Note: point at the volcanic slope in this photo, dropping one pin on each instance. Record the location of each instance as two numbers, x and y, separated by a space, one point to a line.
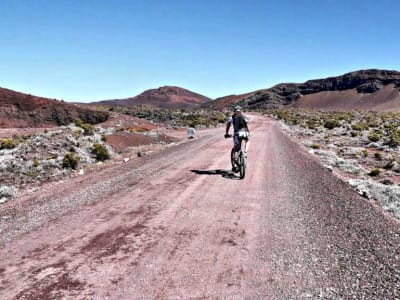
372 89
18 110
163 97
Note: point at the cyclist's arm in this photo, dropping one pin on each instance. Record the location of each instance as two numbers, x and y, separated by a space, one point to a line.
228 125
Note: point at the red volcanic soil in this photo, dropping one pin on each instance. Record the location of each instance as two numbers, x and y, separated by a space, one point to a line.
122 141
387 98
180 225
164 97
18 110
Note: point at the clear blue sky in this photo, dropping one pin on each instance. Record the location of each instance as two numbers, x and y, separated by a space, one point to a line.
86 50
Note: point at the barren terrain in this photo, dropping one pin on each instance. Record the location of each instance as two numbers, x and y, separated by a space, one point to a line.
179 224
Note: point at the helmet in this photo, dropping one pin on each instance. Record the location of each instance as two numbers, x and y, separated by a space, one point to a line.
237 108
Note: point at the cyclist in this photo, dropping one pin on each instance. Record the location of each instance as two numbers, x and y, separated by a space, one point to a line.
240 129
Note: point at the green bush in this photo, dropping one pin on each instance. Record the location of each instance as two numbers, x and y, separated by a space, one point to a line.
378 155
8 144
394 138
36 163
71 160
374 172
330 124
373 137
78 122
101 152
358 127
87 129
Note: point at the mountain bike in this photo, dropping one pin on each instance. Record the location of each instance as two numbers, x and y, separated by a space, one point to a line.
238 158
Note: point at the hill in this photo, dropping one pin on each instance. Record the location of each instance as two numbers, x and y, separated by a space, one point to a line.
163 97
20 110
371 89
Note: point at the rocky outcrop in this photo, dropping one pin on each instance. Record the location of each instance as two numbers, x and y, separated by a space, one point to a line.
20 110
163 97
362 82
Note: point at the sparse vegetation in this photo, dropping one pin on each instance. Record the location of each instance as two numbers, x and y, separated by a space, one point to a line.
330 124
8 144
88 129
36 162
101 152
378 155
176 117
71 160
374 137
374 172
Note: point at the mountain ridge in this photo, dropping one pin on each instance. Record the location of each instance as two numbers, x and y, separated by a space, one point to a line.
362 88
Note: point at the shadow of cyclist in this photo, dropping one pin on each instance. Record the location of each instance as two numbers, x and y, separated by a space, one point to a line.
223 173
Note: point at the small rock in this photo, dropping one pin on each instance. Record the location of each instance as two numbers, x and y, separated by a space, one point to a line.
81 172
387 182
126 159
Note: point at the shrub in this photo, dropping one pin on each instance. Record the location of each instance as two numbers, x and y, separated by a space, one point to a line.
330 124
35 162
378 155
394 138
71 160
358 127
354 133
312 124
374 172
315 146
389 165
373 137
365 152
8 144
87 129
101 152
78 122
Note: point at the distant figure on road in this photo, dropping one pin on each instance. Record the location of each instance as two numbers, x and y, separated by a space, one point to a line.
191 132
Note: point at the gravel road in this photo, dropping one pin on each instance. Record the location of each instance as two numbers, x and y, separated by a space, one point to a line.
179 225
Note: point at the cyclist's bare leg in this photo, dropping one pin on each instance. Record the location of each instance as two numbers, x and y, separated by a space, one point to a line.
246 145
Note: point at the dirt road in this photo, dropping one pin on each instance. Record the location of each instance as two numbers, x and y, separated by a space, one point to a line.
180 225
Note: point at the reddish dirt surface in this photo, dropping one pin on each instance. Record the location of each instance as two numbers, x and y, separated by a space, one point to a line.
179 225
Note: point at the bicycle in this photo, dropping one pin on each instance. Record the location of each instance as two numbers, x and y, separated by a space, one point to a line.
238 159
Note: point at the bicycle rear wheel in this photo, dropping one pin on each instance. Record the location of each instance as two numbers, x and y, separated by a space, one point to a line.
242 165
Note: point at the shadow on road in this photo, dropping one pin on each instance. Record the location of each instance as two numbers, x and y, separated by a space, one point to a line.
223 173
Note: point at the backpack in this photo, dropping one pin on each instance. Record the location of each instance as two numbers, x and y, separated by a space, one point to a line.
238 122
